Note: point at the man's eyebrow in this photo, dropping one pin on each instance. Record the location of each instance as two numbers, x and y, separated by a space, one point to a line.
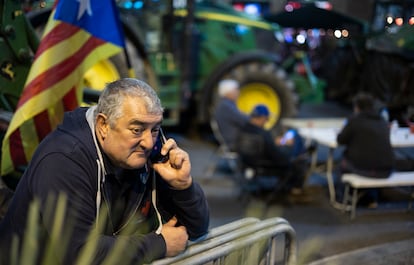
144 124
137 122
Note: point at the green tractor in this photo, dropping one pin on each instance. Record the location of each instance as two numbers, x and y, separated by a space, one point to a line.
184 50
18 42
380 62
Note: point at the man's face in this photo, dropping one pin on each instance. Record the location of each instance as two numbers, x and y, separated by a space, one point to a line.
261 121
129 143
235 93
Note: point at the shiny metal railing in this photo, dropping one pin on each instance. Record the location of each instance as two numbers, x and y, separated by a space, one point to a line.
246 241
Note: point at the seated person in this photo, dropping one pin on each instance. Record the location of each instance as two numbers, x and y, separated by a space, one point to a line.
368 149
228 117
260 150
290 139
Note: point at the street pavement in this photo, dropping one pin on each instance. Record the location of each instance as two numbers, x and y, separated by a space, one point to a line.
325 235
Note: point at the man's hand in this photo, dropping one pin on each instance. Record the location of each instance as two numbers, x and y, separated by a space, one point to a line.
281 141
176 170
175 237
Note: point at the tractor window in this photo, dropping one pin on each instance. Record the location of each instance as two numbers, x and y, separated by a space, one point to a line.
147 14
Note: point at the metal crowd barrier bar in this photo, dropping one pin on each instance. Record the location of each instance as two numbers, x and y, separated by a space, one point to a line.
246 241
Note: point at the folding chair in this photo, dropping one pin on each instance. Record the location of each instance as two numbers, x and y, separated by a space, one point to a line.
260 176
222 152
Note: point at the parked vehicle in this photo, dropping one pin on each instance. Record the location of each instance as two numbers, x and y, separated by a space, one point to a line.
184 50
380 62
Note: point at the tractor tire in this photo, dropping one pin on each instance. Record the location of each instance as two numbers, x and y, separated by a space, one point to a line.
261 83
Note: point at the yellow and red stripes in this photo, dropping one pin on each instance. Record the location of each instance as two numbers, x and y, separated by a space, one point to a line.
53 86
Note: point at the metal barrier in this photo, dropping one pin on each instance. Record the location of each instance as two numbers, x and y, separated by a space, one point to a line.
246 241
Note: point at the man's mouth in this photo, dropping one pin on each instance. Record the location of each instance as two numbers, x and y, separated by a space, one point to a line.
143 153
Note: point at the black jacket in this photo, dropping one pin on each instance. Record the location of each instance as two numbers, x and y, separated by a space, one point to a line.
67 162
257 148
230 121
366 138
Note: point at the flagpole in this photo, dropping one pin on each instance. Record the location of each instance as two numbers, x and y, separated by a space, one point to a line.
131 71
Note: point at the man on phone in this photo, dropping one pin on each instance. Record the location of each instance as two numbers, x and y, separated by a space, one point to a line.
98 159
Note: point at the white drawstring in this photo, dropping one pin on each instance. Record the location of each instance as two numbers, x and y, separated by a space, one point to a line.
154 203
98 194
101 166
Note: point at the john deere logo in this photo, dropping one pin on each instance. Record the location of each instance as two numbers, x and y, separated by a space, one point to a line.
7 70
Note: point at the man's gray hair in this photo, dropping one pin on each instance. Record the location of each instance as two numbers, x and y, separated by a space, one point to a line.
227 85
115 92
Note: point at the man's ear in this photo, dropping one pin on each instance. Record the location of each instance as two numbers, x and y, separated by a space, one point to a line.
102 126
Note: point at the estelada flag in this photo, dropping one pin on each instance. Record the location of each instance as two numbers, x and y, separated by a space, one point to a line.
79 34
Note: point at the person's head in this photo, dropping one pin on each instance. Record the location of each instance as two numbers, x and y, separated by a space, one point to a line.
259 115
229 88
363 102
128 117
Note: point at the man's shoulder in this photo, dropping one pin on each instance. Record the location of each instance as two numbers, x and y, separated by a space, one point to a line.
252 130
77 145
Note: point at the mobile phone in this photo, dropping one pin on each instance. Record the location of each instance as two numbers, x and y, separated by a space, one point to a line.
156 156
290 134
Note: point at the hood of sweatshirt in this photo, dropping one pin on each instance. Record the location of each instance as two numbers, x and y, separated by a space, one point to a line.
78 129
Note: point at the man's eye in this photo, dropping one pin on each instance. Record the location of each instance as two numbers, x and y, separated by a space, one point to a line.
155 131
137 131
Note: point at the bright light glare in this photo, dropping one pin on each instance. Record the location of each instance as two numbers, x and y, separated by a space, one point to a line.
337 33
238 7
399 21
128 4
289 8
323 5
252 9
300 39
138 4
292 5
288 38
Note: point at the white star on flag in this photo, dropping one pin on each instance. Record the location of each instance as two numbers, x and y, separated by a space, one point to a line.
84 6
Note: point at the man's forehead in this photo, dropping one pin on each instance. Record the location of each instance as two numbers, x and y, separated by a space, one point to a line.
134 111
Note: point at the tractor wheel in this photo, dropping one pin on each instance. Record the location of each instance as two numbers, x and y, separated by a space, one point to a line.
262 83
116 67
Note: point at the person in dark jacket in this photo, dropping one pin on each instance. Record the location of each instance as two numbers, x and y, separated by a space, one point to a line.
227 115
98 158
277 156
366 137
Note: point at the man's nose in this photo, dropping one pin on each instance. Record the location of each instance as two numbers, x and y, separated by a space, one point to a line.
147 139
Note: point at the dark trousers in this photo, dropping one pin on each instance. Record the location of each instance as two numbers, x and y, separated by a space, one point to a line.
346 166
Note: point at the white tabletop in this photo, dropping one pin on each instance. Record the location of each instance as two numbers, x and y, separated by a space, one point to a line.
313 122
327 136
402 138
